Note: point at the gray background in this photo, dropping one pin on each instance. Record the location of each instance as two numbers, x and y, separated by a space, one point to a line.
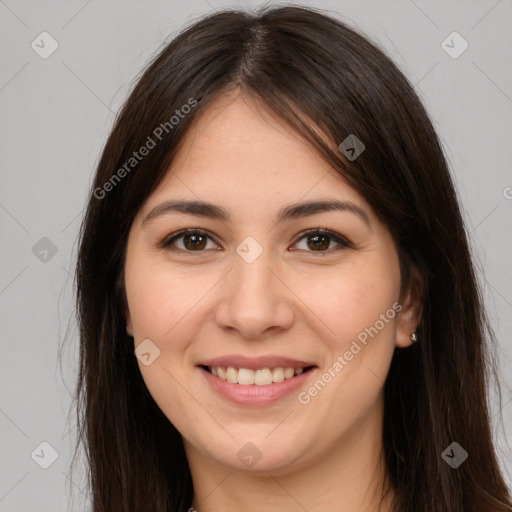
56 114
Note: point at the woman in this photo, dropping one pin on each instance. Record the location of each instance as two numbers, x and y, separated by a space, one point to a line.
277 305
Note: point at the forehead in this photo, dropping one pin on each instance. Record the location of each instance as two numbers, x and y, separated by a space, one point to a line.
237 146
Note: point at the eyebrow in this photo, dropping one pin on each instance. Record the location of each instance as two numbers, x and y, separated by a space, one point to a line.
291 212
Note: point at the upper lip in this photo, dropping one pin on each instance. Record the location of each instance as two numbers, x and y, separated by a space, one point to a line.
256 363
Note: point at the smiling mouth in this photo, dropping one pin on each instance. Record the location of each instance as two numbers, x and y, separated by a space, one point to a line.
260 377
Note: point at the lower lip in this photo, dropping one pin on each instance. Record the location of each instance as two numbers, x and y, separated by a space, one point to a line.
252 394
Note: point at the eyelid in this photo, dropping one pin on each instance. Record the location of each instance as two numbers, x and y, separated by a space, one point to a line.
338 238
167 241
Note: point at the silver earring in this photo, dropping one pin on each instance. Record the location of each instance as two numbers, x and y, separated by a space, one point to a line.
413 337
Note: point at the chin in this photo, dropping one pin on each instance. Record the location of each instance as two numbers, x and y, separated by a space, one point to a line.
259 453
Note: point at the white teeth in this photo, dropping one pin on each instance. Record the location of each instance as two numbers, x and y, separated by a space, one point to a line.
261 377
232 375
246 376
289 373
278 375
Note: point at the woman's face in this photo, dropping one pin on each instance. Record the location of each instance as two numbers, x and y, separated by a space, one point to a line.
255 286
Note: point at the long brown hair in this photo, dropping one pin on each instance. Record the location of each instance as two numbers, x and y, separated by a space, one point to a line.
327 81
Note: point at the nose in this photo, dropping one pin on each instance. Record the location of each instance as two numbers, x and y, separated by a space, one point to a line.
255 301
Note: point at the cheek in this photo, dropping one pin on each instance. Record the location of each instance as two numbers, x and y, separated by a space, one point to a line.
347 300
160 300
161 308
358 311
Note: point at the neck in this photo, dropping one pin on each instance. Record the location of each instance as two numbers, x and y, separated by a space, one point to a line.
350 476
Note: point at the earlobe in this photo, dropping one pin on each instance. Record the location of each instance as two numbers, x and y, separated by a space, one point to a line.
129 328
408 322
410 316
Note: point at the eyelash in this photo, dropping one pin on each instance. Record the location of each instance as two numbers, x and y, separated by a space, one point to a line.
344 243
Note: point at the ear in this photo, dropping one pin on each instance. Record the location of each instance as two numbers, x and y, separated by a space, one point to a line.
412 310
122 294
129 326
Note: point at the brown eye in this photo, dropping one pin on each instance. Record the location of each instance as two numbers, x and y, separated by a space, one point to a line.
192 240
320 240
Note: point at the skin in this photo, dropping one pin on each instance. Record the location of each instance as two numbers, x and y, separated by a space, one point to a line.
291 301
